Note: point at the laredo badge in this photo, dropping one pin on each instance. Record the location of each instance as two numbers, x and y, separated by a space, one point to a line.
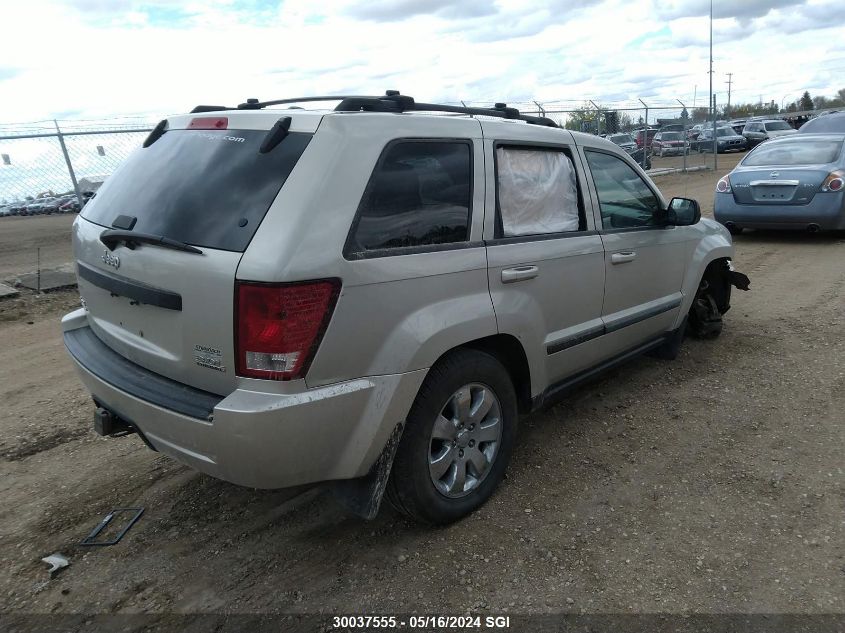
209 357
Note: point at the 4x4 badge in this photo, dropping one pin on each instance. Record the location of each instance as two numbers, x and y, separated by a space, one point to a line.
110 260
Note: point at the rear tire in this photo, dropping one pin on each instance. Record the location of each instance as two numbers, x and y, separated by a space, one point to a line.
452 457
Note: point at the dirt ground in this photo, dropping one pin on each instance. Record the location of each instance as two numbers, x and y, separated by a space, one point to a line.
21 237
709 484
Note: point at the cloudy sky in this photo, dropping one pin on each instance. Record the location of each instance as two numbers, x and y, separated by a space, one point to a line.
77 59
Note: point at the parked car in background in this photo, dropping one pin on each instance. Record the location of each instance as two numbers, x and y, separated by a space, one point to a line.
4 211
795 182
669 144
673 127
826 124
242 342
625 141
53 206
71 206
726 141
644 137
738 125
755 132
694 131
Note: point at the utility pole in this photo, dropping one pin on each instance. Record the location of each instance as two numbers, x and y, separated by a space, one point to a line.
710 105
728 107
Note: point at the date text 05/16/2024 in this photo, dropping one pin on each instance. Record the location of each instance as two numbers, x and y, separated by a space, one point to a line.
373 622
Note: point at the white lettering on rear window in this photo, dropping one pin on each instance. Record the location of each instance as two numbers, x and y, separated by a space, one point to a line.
215 137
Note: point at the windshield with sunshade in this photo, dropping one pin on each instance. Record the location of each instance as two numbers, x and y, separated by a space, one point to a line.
798 152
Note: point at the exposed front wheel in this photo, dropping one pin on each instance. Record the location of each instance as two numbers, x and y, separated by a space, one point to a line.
711 301
457 441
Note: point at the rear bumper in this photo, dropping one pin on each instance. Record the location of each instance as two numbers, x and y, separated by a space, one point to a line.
251 438
826 210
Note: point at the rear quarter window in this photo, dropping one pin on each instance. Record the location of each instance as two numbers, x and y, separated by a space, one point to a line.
418 195
208 188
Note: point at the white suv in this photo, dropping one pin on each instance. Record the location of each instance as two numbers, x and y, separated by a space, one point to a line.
371 295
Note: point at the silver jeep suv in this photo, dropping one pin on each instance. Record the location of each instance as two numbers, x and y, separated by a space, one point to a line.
372 295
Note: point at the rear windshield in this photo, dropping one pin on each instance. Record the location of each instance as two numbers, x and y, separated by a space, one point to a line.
622 138
797 152
834 123
208 188
778 125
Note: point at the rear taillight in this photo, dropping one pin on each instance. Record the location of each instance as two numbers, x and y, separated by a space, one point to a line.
279 326
724 185
834 182
209 123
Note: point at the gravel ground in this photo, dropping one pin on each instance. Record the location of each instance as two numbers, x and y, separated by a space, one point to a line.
709 484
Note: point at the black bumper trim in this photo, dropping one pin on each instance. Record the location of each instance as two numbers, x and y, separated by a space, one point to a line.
109 366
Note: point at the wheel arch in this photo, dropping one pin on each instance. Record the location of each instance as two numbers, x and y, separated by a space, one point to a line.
511 354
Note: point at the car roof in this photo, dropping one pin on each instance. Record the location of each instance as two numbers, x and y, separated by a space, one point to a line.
793 138
837 119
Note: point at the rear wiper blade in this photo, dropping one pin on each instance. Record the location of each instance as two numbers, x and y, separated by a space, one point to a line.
113 238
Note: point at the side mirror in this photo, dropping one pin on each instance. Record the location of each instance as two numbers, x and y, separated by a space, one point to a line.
683 212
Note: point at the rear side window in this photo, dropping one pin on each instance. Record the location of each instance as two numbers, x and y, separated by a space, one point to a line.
778 125
208 188
418 195
537 192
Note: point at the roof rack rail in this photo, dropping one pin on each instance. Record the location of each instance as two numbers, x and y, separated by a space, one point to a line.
392 101
255 104
395 102
209 108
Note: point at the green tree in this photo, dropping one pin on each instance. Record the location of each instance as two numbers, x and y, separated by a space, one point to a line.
700 115
806 102
684 114
582 120
820 102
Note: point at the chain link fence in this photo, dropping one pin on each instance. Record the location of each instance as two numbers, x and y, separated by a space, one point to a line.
44 163
67 160
636 122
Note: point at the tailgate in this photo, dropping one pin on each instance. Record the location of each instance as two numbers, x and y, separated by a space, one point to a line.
168 305
168 311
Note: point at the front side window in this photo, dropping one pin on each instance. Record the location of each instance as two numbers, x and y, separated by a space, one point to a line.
626 201
419 194
537 192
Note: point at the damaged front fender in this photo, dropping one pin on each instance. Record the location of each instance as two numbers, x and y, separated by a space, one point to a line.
736 278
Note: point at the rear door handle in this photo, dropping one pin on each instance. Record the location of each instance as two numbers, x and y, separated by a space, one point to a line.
519 273
623 257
